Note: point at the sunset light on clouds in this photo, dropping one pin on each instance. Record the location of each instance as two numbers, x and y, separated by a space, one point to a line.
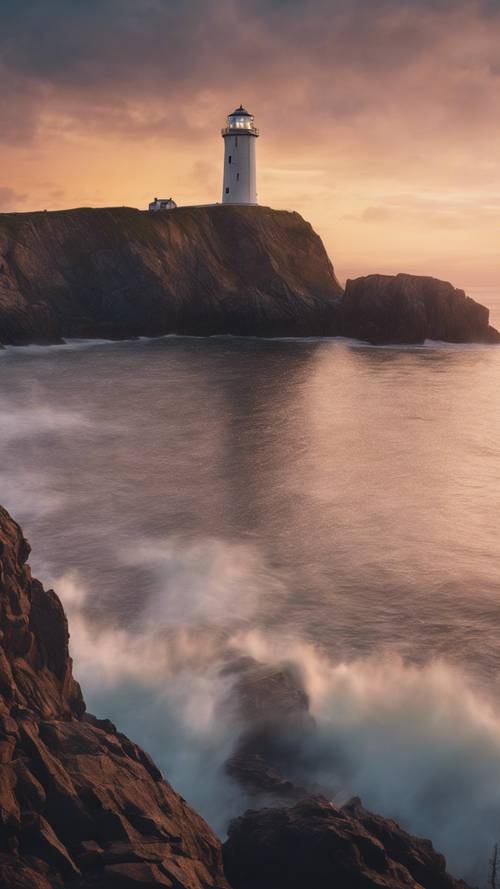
250 436
380 119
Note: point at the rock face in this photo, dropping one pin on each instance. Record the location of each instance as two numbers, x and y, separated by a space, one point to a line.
120 272
80 804
313 844
410 309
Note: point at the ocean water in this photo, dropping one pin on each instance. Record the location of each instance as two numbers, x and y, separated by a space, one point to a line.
319 502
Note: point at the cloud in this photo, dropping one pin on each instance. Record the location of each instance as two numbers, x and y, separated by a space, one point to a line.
167 64
10 199
374 97
447 212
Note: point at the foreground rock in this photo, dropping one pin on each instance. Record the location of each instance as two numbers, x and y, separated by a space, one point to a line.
411 309
318 846
304 840
119 272
80 804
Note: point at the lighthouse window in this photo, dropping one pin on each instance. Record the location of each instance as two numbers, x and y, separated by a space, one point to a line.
236 141
229 159
237 177
227 190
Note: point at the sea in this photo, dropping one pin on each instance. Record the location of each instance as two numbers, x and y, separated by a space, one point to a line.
316 502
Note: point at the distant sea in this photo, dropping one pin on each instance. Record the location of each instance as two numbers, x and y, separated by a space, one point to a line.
318 501
488 296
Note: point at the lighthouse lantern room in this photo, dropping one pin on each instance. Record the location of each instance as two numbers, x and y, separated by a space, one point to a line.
239 181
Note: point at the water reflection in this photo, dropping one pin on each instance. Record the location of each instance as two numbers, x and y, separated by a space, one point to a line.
366 479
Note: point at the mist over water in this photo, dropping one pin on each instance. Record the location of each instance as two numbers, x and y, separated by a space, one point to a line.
320 502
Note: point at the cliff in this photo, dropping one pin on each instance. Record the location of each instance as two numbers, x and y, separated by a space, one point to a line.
79 803
121 272
83 806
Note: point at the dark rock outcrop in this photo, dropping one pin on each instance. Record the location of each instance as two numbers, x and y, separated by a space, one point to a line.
272 707
120 272
411 309
80 804
313 844
309 841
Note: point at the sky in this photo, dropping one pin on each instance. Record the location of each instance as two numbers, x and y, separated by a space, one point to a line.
379 119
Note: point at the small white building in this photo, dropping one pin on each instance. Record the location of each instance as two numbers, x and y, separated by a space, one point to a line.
162 204
239 181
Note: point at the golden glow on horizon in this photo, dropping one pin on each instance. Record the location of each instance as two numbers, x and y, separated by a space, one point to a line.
366 222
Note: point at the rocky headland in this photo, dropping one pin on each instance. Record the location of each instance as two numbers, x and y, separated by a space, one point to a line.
83 806
120 272
242 270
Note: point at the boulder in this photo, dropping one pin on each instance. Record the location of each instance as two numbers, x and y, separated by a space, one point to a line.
410 309
316 845
272 707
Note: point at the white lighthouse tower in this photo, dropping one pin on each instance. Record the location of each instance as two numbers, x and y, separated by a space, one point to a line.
239 182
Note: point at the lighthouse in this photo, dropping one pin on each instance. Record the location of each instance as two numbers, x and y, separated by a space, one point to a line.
239 181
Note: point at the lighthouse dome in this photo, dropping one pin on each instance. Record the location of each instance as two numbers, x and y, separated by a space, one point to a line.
241 119
241 112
